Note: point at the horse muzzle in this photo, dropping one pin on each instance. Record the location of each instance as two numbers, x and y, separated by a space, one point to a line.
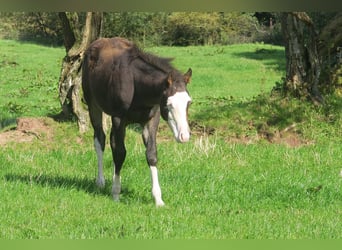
183 136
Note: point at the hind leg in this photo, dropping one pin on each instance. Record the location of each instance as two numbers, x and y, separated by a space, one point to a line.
117 138
99 142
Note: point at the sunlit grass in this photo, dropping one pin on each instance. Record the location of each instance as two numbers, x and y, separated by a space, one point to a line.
240 71
213 187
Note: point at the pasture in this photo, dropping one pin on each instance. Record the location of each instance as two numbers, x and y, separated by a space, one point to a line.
257 166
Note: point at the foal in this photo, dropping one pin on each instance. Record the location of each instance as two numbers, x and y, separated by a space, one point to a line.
133 87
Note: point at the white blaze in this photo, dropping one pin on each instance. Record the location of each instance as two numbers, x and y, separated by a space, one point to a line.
177 117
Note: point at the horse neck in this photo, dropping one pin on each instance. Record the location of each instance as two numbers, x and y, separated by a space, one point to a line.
149 87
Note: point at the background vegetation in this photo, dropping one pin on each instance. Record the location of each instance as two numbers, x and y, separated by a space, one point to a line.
150 28
158 28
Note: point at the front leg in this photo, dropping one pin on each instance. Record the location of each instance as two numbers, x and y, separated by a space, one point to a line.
156 191
149 137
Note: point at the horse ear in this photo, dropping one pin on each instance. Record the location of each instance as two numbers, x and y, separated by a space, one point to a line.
187 76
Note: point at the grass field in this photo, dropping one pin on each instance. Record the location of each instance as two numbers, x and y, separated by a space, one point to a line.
270 168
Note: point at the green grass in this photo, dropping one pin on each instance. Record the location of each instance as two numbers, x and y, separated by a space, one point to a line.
29 79
219 68
213 187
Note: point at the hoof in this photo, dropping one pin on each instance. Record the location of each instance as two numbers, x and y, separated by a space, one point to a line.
116 197
100 182
160 203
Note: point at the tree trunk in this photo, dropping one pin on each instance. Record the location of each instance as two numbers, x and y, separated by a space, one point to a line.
302 62
330 50
70 90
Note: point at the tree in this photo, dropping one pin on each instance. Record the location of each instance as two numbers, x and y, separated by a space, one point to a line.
144 28
40 27
303 66
330 51
208 28
313 57
192 28
76 40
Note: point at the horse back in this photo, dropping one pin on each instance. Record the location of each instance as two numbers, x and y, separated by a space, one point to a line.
107 81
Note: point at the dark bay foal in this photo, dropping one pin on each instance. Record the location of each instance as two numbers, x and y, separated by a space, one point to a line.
133 87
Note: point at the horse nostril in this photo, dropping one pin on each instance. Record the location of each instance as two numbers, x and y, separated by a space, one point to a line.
184 137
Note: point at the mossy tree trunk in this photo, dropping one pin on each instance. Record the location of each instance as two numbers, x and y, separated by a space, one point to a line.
330 51
70 90
303 66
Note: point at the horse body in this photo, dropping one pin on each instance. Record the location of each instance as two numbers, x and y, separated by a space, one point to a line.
132 87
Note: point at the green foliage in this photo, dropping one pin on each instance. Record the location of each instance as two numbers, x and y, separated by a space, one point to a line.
193 28
40 27
146 28
156 28
186 28
207 28
239 27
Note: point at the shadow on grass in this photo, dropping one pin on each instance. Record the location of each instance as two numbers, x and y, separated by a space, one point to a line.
275 118
81 184
273 58
7 123
261 114
61 117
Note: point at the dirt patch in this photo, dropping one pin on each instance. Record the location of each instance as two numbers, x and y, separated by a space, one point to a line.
27 130
199 129
289 136
30 129
290 139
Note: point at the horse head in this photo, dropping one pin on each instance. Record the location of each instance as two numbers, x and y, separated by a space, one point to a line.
175 104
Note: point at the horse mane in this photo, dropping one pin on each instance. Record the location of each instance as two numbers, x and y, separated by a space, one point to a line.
161 63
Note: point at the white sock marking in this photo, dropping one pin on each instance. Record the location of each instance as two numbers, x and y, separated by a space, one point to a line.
116 189
100 181
156 191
